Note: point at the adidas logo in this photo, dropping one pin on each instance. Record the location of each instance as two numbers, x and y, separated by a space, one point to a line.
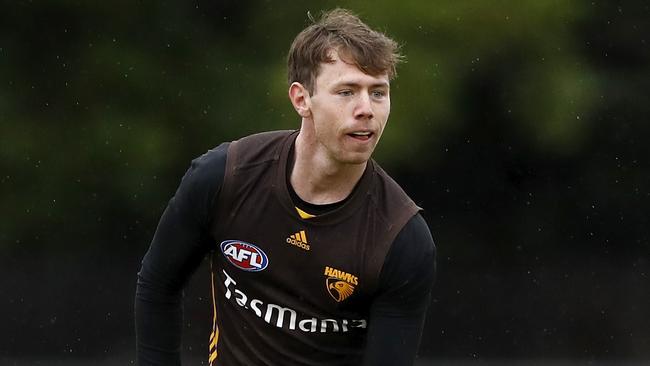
299 239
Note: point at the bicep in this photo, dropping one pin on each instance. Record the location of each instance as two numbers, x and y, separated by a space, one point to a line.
398 312
182 237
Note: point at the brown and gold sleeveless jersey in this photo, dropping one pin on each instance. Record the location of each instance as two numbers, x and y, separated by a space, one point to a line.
290 289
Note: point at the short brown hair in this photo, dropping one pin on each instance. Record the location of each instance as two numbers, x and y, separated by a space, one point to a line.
371 51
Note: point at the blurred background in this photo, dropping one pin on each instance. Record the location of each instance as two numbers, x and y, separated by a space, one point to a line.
521 127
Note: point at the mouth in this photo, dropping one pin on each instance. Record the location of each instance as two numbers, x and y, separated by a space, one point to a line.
361 135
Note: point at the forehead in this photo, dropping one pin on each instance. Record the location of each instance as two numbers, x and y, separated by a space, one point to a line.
341 71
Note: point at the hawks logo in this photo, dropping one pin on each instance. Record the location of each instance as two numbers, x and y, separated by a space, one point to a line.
340 285
244 255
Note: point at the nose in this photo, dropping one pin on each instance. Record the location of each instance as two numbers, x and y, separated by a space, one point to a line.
364 107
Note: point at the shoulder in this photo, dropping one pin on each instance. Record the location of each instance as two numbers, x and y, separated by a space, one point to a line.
412 255
205 174
390 191
264 137
414 242
393 205
208 167
409 271
256 148
201 182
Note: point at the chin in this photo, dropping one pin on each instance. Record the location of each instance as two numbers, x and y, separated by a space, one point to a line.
355 159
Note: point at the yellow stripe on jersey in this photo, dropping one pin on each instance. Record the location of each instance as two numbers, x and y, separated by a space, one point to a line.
304 215
214 336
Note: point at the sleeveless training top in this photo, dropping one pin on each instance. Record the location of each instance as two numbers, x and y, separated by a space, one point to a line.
289 289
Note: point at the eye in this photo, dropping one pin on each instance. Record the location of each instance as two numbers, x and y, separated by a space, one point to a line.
378 93
345 93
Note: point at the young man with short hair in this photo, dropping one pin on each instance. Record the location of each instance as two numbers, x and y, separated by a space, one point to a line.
318 256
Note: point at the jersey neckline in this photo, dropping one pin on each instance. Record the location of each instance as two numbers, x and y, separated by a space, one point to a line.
357 197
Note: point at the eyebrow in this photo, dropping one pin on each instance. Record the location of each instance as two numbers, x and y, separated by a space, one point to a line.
382 84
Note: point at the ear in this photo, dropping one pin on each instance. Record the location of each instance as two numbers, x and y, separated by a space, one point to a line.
300 99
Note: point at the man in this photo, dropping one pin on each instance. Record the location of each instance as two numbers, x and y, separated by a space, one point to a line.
318 256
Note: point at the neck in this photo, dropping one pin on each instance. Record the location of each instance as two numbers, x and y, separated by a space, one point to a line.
316 178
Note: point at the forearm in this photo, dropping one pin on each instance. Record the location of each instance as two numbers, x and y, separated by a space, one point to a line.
158 321
393 341
174 255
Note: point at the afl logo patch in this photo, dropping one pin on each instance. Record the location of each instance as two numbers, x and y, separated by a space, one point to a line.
244 255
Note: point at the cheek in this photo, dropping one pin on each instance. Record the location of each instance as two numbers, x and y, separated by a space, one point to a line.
384 117
328 121
324 128
386 109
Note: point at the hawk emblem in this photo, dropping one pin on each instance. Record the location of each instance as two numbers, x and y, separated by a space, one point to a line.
338 289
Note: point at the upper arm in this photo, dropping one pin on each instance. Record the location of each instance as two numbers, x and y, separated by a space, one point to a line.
397 314
182 237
